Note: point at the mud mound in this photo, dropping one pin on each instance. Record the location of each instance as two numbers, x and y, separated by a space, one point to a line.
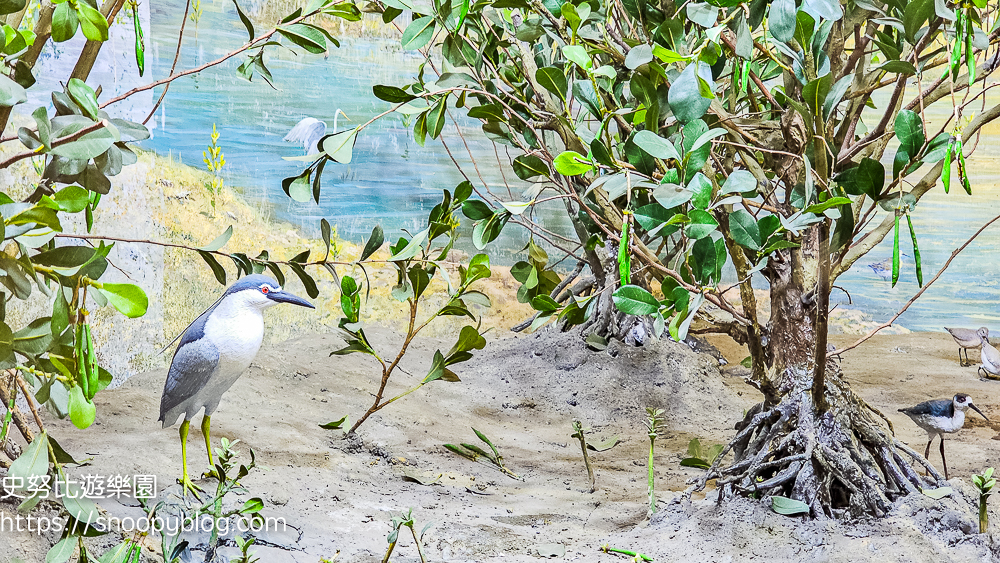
919 529
614 386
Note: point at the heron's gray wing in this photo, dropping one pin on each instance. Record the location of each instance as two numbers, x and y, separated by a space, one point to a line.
308 132
939 407
192 367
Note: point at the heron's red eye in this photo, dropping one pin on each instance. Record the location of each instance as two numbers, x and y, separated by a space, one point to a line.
264 289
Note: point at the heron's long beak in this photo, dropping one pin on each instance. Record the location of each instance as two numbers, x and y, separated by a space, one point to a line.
285 297
975 408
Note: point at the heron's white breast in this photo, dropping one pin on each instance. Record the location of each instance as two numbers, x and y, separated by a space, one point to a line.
939 424
236 330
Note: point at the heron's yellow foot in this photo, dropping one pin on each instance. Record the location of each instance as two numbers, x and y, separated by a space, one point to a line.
185 480
188 486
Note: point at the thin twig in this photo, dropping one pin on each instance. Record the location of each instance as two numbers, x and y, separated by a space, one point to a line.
245 47
173 67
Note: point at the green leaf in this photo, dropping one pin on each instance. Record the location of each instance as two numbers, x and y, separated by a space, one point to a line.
634 300
915 15
336 424
898 67
392 94
867 178
339 146
528 166
787 506
938 493
701 189
815 92
655 146
544 303
130 300
81 411
217 269
909 131
702 224
305 36
553 80
685 94
418 33
91 145
374 243
252 506
63 550
307 282
411 249
781 20
64 22
578 55
219 241
437 368
245 20
83 509
476 210
704 15
92 22
740 181
744 230
11 6
33 463
671 195
72 199
571 163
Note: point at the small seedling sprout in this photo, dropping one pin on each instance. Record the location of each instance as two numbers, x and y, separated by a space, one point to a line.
473 452
393 537
578 433
984 483
636 556
654 418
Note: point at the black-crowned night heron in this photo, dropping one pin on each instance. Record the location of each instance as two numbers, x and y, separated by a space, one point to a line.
310 130
940 417
214 352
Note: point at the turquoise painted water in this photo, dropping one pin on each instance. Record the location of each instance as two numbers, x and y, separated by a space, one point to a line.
393 181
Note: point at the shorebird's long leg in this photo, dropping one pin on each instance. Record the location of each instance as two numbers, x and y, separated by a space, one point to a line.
927 450
943 462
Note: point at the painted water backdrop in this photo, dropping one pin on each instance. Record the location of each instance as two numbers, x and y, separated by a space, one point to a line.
394 182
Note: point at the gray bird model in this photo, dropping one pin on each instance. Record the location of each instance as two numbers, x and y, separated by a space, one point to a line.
968 338
214 352
990 358
940 417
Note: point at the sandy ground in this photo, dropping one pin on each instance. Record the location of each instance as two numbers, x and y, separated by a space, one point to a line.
338 495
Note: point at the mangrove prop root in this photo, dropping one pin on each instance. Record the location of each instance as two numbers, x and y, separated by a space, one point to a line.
839 459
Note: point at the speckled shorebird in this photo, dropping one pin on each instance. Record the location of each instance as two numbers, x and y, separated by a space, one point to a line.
214 352
990 358
941 417
968 338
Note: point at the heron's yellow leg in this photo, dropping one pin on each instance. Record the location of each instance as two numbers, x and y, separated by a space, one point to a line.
186 484
206 429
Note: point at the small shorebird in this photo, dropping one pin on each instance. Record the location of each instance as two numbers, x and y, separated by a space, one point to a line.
968 338
990 358
940 417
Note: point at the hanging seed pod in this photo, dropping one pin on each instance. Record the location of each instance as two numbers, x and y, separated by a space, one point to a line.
956 51
946 172
81 364
93 376
963 169
970 58
624 260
